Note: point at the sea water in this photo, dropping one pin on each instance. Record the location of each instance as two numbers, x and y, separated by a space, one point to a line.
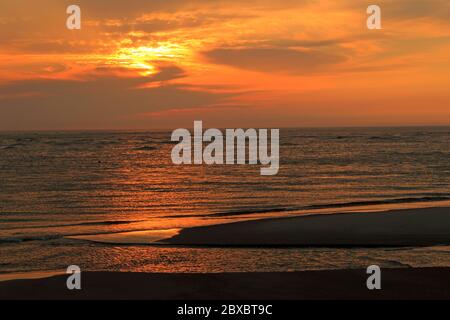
55 185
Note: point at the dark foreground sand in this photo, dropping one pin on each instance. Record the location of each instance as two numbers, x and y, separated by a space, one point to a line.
426 283
409 227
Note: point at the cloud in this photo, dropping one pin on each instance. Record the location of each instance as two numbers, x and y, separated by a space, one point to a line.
100 100
36 68
398 10
278 60
293 43
168 72
413 9
150 23
59 46
115 9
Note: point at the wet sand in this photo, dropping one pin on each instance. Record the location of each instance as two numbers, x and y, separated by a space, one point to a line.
409 227
407 283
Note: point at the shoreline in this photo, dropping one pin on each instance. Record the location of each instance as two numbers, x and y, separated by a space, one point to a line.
405 227
28 275
397 284
191 236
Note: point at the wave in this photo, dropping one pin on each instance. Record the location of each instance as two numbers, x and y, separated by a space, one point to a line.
11 146
166 142
231 213
146 148
384 201
75 235
322 206
31 238
95 223
388 138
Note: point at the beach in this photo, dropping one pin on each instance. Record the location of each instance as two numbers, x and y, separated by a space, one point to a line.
405 283
409 227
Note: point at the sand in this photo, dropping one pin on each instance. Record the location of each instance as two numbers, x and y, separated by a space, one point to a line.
409 227
426 283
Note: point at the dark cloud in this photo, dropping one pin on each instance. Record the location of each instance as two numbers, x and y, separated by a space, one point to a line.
398 10
414 9
101 100
116 9
168 72
36 68
177 22
275 59
292 43
60 46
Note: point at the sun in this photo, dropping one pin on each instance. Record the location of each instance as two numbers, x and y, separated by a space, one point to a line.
146 58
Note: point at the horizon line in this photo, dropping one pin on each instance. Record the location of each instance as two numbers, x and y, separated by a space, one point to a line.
241 127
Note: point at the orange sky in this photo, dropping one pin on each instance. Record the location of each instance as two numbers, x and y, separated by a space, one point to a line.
254 63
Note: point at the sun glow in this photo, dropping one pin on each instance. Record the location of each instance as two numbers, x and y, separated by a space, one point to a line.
146 58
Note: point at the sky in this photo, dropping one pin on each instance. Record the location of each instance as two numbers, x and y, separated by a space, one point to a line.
250 63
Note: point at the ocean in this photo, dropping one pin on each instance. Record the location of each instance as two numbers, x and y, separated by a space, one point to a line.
55 185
